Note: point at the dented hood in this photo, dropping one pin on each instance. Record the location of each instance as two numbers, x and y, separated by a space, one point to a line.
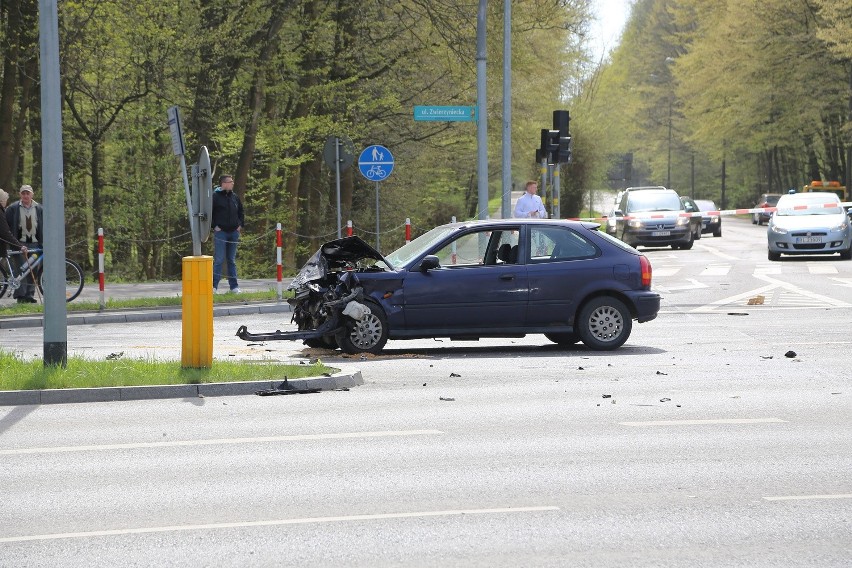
335 254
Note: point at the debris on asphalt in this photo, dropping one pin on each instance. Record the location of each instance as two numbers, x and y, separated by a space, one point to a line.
665 399
790 354
661 373
766 356
607 396
114 356
447 398
454 375
580 369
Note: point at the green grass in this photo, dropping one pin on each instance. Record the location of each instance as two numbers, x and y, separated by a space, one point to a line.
83 373
136 303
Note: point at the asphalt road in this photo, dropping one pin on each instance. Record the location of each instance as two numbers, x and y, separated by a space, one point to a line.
719 435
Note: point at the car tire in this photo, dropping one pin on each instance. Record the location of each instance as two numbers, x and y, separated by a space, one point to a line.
688 245
717 233
563 338
604 323
847 254
368 335
754 219
773 256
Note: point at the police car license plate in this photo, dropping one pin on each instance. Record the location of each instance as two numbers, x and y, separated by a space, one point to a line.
661 233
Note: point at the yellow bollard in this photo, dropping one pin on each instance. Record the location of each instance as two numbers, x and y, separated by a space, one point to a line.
197 312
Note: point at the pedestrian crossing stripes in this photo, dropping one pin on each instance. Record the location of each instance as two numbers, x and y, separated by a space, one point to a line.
721 269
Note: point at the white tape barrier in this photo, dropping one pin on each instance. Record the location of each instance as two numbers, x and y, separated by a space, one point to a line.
720 213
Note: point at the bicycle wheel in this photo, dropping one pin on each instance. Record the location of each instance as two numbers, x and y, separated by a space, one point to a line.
4 277
73 280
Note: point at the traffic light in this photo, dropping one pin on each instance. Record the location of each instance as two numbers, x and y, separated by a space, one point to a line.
564 153
549 145
561 123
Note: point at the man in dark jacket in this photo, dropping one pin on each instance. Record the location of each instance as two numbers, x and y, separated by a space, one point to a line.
227 222
7 239
26 219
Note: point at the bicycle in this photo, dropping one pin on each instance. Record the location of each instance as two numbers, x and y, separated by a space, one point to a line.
11 279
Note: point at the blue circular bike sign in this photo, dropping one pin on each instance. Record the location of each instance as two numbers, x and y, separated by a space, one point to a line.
375 163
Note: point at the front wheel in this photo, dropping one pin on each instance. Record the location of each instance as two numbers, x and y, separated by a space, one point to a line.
773 256
604 323
367 335
73 280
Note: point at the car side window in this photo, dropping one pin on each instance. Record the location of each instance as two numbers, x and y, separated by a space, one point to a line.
556 244
480 248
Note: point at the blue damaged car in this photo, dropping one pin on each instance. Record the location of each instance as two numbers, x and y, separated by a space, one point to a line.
469 280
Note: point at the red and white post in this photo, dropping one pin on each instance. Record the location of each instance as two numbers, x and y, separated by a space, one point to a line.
407 230
280 271
102 301
349 228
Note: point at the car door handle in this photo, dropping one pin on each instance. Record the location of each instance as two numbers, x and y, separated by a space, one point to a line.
507 277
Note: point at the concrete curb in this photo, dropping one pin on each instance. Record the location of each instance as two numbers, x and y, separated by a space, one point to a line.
343 379
155 314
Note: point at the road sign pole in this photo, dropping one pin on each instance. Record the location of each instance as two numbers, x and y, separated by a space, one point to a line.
337 182
377 217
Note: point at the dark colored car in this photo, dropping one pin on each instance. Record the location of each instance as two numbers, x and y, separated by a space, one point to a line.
711 219
653 217
766 200
501 278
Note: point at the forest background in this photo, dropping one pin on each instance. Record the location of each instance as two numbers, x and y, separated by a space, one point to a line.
721 99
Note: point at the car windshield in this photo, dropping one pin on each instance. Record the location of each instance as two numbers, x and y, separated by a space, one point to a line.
772 199
705 205
406 253
640 201
808 204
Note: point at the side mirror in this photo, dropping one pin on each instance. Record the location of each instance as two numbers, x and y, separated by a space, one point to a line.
429 262
618 213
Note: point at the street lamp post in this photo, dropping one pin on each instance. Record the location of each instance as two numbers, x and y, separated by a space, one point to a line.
669 160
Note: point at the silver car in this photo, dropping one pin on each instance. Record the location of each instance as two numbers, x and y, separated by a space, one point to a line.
809 223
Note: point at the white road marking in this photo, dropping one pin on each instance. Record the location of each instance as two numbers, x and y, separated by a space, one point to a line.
847 282
714 251
279 522
808 497
218 441
695 285
716 270
703 422
664 271
803 298
821 268
762 269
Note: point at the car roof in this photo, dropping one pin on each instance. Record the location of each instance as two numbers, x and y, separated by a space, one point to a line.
810 197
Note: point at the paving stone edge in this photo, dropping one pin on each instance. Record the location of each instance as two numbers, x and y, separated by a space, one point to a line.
342 379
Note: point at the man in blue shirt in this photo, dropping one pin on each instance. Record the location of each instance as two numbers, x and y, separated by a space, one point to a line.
529 205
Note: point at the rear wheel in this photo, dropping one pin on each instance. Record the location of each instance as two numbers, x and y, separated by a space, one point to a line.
604 323
563 338
73 280
367 335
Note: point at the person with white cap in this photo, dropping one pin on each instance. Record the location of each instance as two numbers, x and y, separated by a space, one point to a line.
7 239
26 219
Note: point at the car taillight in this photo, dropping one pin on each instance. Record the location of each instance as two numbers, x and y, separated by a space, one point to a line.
645 266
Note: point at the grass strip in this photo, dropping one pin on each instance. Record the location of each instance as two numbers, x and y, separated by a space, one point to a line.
18 374
13 309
